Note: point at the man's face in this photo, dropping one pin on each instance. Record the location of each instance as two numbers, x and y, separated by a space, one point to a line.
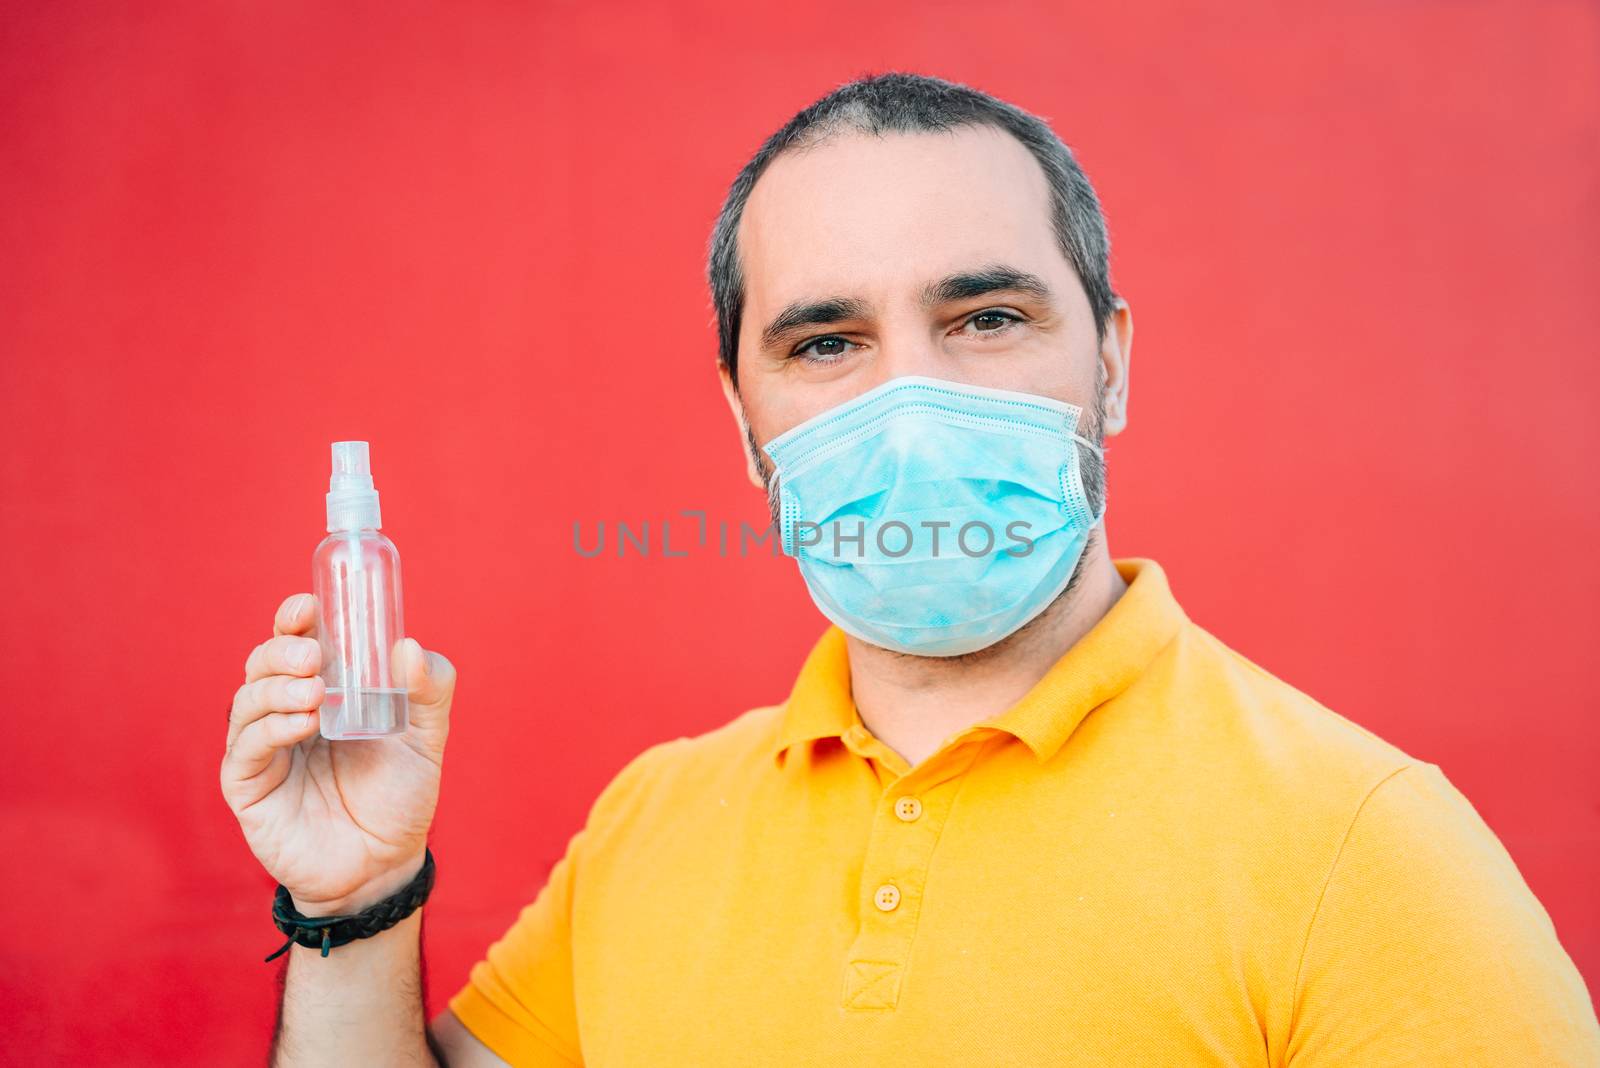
848 242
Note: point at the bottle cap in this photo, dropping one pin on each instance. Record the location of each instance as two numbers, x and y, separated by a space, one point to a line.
352 500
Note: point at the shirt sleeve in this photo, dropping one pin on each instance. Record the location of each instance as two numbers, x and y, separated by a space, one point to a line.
518 1000
1428 948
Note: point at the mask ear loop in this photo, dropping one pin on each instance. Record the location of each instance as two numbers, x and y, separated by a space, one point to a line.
788 516
1074 499
1100 517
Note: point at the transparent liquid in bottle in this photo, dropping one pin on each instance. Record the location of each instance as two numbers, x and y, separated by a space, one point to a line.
356 579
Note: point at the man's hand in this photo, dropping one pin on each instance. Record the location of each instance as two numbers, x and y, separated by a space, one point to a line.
340 824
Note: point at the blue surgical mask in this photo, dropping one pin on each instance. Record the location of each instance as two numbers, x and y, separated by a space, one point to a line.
931 517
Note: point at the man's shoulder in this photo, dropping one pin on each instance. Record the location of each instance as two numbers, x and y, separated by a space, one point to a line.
669 777
739 746
1241 723
1299 779
731 749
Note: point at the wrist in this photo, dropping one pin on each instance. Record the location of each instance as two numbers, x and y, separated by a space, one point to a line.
333 928
370 893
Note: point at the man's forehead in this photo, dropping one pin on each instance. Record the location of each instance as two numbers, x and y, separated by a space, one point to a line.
869 214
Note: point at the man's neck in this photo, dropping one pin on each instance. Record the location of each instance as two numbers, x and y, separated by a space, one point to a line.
913 703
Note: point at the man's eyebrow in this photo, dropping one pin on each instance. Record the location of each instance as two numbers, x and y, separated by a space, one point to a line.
994 278
964 285
804 313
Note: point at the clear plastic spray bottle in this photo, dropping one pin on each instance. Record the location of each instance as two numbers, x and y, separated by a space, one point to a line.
355 574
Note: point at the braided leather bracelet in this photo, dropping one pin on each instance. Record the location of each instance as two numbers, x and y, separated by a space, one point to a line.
330 931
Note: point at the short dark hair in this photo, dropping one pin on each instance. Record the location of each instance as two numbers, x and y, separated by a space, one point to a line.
900 102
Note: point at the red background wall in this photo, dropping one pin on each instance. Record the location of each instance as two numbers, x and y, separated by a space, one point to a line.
1360 252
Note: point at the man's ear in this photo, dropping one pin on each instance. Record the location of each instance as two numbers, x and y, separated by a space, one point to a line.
1116 356
730 392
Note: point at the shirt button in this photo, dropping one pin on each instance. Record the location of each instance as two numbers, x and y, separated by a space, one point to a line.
908 808
887 897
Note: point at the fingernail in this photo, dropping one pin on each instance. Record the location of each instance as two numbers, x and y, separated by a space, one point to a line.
299 654
427 661
300 719
291 611
300 691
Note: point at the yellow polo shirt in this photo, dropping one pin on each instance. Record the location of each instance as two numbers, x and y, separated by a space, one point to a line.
1161 855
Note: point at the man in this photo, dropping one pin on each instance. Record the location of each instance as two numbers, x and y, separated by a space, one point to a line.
1018 809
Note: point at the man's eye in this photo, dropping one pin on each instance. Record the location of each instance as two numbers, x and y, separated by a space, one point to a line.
827 349
997 321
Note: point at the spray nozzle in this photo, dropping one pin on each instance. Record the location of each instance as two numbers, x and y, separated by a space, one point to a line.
352 466
352 499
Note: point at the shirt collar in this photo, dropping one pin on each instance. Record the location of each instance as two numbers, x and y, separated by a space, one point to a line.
1102 664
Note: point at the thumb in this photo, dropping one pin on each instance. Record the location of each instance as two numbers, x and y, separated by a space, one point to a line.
430 686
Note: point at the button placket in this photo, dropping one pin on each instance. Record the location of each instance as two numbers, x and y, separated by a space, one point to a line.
894 875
